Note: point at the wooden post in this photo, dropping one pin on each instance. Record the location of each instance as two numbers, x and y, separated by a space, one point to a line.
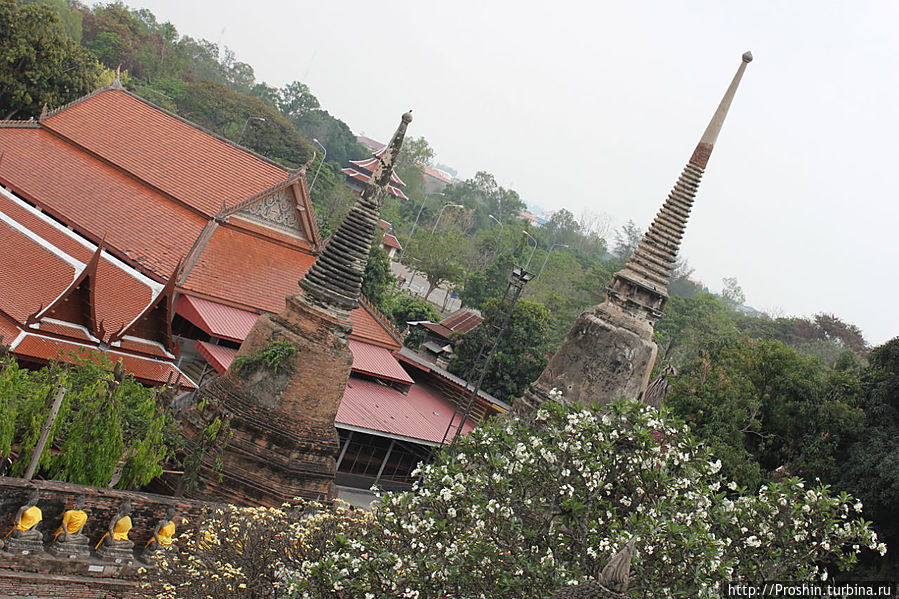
45 434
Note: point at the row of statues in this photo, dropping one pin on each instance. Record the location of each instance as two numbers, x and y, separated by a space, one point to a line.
69 539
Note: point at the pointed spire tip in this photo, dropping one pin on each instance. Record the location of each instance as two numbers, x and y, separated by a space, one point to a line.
747 57
407 117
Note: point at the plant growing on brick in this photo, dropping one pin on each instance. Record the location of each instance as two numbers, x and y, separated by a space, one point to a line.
272 356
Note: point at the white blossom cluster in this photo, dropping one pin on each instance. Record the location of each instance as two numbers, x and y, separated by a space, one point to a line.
520 508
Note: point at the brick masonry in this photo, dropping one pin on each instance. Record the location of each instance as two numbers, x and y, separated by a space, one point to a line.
284 442
49 576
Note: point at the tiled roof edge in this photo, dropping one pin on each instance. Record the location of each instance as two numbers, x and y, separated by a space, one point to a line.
184 120
381 319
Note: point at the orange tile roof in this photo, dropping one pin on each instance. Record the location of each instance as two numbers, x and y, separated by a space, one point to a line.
370 326
40 348
182 160
248 270
97 199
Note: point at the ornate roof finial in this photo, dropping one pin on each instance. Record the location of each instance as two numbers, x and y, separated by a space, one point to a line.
651 265
336 277
44 112
117 82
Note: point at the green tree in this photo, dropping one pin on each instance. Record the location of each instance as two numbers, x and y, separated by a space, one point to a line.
762 408
378 280
520 355
402 309
627 238
871 470
519 509
39 62
440 257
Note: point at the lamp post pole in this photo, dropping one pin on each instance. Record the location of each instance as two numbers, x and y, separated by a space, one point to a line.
532 251
499 235
415 224
325 155
555 245
445 206
517 279
247 122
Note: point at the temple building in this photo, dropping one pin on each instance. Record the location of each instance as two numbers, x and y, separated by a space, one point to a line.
142 236
610 351
360 171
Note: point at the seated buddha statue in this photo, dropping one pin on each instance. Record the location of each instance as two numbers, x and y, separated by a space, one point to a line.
27 519
116 535
69 539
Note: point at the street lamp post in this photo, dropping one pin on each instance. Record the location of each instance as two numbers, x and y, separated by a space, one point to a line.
499 235
517 279
415 224
532 251
445 206
325 155
245 123
555 245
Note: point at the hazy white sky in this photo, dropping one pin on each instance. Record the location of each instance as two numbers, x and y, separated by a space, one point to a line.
598 105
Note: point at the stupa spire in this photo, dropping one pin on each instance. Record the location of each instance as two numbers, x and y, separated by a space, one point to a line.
651 265
610 350
336 277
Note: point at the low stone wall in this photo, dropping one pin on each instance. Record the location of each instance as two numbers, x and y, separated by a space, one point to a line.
43 575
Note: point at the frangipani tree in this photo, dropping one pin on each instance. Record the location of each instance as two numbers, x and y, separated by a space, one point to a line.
519 509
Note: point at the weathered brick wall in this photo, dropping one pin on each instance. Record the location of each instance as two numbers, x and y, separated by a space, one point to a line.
284 442
101 505
55 586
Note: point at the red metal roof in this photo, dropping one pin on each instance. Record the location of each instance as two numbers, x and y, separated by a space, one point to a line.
462 321
148 370
439 329
379 362
183 161
218 357
391 241
437 174
219 321
422 415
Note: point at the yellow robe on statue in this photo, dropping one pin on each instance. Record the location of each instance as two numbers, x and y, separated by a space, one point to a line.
72 521
164 535
119 531
121 528
29 518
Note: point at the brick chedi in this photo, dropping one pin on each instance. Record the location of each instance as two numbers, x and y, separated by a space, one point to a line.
284 442
610 351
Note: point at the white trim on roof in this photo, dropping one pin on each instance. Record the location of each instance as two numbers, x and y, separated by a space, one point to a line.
153 285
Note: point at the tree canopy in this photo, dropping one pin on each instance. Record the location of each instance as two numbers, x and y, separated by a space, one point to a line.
40 63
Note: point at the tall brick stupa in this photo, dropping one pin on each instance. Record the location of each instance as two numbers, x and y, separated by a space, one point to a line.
610 350
283 389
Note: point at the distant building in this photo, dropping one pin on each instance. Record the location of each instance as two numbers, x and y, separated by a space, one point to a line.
359 172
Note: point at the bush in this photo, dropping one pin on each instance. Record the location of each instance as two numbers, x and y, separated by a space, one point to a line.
521 508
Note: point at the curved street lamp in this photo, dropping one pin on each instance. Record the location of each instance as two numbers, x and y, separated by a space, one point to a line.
445 206
532 251
415 224
555 245
499 235
245 123
325 155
